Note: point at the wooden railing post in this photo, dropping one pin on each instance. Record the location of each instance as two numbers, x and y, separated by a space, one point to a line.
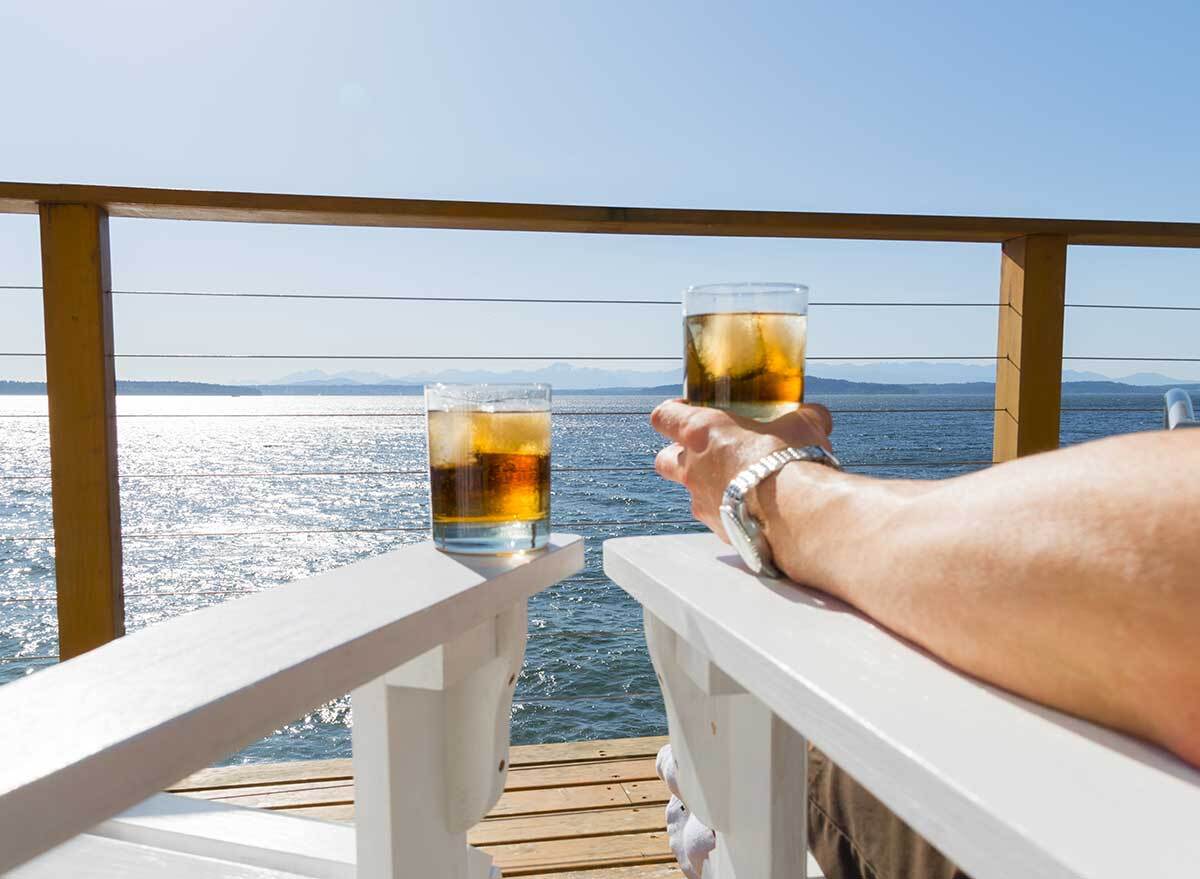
1033 272
81 387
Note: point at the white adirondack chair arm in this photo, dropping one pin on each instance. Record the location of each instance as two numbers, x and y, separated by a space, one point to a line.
93 736
1004 787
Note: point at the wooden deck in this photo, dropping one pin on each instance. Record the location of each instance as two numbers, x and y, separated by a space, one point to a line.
581 810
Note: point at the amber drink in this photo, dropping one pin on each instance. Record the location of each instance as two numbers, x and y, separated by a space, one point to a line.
744 348
489 467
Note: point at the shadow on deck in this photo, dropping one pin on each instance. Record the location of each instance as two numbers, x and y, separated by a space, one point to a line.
592 810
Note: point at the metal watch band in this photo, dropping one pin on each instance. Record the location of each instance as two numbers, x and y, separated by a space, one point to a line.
742 529
770 464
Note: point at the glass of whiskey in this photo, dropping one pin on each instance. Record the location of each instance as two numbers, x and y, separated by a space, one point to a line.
489 467
744 347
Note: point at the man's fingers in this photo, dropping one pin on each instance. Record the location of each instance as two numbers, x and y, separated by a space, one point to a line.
669 462
797 427
685 424
824 417
670 418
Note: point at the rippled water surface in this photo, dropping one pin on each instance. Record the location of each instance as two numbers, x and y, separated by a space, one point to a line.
202 477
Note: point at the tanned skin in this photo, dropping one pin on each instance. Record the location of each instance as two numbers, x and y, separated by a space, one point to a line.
1070 577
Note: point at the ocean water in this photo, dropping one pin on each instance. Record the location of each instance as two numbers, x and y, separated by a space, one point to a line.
204 477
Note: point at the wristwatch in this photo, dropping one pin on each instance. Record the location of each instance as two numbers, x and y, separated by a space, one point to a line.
744 531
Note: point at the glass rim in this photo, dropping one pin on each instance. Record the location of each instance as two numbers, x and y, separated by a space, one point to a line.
486 396
733 287
507 386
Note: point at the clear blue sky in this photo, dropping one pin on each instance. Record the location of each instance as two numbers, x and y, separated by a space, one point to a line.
1022 109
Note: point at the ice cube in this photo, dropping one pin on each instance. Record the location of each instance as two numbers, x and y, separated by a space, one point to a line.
513 433
450 439
730 345
784 337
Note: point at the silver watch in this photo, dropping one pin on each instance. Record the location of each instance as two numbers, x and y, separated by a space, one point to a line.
744 531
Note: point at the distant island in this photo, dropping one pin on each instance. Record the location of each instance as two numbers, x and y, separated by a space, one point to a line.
135 388
816 385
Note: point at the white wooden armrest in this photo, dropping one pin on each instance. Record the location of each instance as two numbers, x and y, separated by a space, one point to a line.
93 736
1005 787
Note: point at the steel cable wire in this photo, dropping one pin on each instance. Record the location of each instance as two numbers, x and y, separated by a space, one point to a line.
377 297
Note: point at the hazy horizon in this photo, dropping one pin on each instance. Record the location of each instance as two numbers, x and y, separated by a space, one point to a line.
567 377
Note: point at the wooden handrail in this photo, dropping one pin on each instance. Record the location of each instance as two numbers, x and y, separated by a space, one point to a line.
254 207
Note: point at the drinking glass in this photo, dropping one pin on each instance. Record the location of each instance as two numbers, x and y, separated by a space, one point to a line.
744 347
489 467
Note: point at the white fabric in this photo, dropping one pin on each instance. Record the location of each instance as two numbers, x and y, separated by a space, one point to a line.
691 842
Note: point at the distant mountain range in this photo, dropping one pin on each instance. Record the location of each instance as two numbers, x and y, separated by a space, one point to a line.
564 375
560 375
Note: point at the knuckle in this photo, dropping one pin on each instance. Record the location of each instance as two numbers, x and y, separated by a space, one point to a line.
695 433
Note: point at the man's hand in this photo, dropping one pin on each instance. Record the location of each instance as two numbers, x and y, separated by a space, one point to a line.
710 447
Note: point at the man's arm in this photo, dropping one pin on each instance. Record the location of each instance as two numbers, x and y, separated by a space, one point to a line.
1072 577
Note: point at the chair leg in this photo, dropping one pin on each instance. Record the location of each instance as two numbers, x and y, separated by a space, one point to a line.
431 753
742 771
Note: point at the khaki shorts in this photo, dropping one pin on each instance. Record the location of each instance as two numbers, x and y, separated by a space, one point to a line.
854 836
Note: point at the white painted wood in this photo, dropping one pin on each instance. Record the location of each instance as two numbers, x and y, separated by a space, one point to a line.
431 752
98 734
256 837
1005 787
812 868
97 857
248 837
741 770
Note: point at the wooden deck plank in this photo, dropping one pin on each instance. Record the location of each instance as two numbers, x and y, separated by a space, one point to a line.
562 799
568 825
342 768
546 775
265 773
512 803
313 793
599 749
569 774
592 810
643 871
640 792
628 849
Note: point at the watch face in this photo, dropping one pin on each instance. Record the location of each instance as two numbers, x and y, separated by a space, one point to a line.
741 540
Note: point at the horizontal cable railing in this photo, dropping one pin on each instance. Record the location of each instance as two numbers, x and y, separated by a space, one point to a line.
647 468
579 414
505 357
175 593
383 297
396 529
860 358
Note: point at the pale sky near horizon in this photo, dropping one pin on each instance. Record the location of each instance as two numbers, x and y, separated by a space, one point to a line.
1069 110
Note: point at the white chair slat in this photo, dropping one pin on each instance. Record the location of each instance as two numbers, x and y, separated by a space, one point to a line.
99 858
257 837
